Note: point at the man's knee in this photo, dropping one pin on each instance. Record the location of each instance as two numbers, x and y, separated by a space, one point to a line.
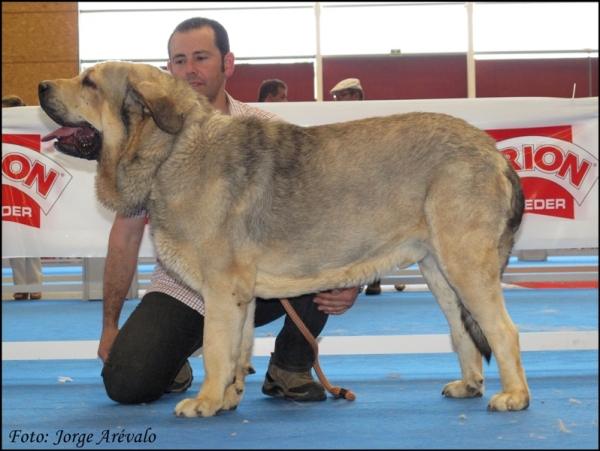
125 386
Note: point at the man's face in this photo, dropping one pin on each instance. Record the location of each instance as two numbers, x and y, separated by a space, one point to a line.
281 95
196 58
347 94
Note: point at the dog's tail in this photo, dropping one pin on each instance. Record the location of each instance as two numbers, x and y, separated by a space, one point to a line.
514 216
475 332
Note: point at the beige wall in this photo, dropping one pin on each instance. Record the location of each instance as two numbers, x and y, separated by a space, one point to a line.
40 41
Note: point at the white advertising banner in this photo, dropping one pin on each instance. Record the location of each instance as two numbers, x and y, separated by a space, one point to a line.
49 208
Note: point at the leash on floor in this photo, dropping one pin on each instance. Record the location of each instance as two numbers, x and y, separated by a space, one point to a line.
337 392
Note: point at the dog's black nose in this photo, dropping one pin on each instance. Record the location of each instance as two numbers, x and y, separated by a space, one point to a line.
42 88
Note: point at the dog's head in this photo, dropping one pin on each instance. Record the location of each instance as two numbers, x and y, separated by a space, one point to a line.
104 103
126 117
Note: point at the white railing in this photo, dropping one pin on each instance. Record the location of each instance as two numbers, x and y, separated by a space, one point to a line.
550 141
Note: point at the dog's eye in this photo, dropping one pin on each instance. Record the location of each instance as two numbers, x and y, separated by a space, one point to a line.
89 83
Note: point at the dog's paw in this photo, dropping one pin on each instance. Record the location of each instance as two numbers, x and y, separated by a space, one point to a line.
504 402
197 407
233 396
461 389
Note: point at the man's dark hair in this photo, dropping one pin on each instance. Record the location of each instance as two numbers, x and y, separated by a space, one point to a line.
195 23
270 87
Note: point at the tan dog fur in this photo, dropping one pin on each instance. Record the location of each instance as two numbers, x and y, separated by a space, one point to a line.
243 207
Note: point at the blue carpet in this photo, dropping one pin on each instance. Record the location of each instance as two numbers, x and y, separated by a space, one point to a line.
399 402
399 405
405 313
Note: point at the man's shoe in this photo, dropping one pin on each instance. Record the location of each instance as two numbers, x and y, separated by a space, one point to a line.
183 380
292 386
374 288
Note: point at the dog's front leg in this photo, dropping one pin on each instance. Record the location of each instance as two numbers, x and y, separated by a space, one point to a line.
225 314
234 393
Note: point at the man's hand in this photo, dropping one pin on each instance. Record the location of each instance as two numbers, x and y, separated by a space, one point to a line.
338 301
106 341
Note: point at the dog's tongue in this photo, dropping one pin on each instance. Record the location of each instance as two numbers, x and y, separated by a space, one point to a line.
63 131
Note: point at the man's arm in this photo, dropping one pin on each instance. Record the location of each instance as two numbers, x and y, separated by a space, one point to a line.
121 261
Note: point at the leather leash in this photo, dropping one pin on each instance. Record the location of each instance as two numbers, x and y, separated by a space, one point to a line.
337 392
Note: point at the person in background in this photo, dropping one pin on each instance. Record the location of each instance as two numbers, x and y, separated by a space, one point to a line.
26 270
273 90
148 355
11 101
350 89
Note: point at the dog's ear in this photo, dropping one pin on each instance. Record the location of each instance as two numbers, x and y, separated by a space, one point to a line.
166 113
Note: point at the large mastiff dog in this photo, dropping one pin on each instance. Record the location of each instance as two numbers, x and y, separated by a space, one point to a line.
242 207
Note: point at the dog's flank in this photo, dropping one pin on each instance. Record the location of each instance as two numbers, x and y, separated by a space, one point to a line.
243 207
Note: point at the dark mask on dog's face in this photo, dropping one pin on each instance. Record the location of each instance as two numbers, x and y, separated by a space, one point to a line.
80 142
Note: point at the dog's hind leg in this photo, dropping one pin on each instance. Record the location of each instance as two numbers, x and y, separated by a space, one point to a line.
234 393
472 268
471 385
486 305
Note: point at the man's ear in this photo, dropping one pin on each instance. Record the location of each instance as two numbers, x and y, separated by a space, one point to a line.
229 63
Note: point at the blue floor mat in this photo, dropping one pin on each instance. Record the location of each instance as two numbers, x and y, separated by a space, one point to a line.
399 402
399 405
405 313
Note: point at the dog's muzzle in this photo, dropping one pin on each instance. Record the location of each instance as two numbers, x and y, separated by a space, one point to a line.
80 142
76 140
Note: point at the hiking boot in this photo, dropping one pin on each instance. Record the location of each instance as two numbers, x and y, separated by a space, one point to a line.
292 386
374 288
183 380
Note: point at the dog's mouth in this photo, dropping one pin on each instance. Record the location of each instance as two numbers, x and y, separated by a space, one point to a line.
81 142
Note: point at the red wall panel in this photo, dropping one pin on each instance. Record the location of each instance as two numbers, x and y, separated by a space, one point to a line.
245 82
536 77
388 77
